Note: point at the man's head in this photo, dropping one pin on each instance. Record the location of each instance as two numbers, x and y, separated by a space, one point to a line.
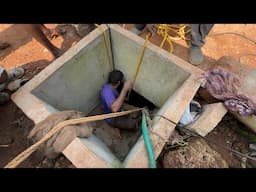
115 78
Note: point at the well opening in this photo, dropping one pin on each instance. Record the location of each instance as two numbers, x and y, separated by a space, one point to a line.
74 81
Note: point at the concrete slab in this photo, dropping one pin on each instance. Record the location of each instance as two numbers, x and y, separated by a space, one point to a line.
90 153
212 115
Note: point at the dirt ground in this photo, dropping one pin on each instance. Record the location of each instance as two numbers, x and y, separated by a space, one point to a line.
28 53
33 57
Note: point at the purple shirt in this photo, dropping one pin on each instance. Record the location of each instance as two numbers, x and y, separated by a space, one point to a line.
108 95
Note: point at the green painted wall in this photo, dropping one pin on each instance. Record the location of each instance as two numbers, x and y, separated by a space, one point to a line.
76 85
158 77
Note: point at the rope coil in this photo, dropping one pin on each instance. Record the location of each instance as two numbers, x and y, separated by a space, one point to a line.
171 33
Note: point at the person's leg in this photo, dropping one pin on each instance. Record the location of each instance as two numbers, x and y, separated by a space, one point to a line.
4 97
13 81
4 45
83 29
199 33
3 86
3 78
7 76
197 41
138 28
15 73
51 33
45 30
36 31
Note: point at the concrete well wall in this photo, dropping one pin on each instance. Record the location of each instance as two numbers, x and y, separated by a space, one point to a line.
73 81
158 77
76 84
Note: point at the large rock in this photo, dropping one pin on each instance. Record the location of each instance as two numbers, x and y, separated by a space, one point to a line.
195 155
59 141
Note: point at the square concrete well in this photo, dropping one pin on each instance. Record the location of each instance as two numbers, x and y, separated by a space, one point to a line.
74 80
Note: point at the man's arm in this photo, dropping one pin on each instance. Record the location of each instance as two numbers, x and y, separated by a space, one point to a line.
116 105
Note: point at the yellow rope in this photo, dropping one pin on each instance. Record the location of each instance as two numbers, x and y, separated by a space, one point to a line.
140 58
171 33
107 46
25 154
138 64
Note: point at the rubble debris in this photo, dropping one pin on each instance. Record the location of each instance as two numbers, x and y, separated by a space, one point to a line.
195 155
55 145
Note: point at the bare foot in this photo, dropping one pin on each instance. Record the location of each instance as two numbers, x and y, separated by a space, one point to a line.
56 52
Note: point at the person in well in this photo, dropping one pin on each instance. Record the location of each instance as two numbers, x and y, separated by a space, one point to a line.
113 101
